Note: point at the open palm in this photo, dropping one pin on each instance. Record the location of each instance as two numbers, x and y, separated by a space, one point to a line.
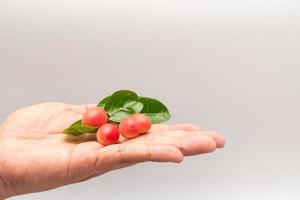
37 156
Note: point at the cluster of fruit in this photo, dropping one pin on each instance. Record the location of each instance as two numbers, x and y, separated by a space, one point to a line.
109 133
123 112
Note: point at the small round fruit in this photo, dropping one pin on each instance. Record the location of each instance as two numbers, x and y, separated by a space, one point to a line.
129 127
144 122
94 117
108 134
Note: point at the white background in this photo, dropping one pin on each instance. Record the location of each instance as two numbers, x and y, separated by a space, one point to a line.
230 66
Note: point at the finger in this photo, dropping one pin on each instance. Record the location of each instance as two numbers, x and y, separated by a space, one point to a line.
166 127
90 105
188 145
186 127
90 159
219 139
80 109
99 173
132 153
98 160
82 160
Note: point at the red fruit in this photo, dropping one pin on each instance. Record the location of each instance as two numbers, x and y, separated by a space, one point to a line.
129 127
108 134
143 121
94 117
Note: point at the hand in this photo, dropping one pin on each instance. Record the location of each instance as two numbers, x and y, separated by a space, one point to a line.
37 156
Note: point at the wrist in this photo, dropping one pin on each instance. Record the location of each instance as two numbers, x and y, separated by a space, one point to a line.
3 191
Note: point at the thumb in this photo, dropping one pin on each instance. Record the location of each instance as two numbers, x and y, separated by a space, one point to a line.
92 159
125 153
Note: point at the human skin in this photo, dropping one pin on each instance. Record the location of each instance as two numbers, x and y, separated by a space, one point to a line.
37 156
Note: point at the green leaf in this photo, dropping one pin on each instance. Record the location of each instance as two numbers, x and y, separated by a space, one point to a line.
103 102
77 122
118 116
79 129
123 100
154 109
135 107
